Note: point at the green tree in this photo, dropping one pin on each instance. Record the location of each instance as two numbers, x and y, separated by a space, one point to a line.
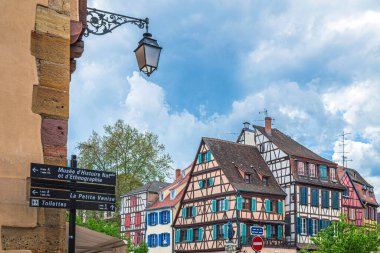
136 158
344 237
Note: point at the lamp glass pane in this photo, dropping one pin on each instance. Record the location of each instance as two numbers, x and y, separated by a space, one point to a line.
140 56
152 55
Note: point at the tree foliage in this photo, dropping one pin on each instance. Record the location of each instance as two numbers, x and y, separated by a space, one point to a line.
345 237
136 158
142 248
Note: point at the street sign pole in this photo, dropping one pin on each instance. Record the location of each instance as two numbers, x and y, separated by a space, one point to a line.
73 212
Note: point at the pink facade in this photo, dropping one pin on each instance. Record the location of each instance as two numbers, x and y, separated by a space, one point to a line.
351 205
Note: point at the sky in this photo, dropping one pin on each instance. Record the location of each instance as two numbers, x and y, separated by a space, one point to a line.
314 65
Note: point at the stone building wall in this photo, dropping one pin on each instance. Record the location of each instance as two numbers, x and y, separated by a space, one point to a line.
34 110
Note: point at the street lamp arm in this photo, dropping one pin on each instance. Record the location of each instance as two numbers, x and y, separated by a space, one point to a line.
102 22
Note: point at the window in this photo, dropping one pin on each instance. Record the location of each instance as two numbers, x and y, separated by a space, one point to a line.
220 233
205 183
333 174
265 181
335 200
220 205
137 238
196 234
313 170
352 214
204 157
315 226
303 226
188 212
164 239
247 178
371 193
325 199
246 204
273 206
301 168
152 219
132 201
262 148
303 196
323 172
345 193
314 197
161 196
164 217
271 231
172 194
183 235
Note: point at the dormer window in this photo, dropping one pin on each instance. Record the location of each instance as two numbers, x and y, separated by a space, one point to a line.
301 166
247 178
333 174
172 194
204 157
161 196
265 181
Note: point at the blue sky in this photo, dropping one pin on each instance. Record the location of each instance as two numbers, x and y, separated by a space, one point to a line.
315 65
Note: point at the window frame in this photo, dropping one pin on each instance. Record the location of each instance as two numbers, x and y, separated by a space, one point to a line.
302 172
314 170
303 226
247 178
183 235
315 223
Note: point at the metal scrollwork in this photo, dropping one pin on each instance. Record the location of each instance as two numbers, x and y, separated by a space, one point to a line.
102 22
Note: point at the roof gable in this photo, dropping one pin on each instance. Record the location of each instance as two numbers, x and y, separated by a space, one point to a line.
233 157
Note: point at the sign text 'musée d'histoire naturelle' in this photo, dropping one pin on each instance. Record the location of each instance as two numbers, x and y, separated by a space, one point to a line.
72 174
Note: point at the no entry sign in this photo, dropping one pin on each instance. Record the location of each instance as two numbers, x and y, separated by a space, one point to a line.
257 243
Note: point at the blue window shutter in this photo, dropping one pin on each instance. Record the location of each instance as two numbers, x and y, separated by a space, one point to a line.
167 239
254 205
194 211
211 181
267 205
269 232
280 206
190 235
177 235
155 218
199 158
208 155
200 237
184 212
161 214
160 239
244 233
149 241
214 232
279 232
155 240
298 225
310 227
321 224
226 205
225 231
213 205
200 182
168 217
150 219
239 203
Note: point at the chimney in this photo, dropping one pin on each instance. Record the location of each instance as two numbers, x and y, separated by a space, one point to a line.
178 174
268 125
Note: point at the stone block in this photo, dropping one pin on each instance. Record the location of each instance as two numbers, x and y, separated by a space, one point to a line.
52 22
55 161
54 75
61 6
50 102
55 151
53 132
50 48
51 217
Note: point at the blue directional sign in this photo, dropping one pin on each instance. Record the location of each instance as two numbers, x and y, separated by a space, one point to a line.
256 230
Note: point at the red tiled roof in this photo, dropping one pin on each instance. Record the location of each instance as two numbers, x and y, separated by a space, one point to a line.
168 202
365 198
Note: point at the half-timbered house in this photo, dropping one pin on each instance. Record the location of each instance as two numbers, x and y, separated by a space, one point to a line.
160 215
358 201
132 211
228 181
309 180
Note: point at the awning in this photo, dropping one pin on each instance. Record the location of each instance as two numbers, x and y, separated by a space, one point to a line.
90 241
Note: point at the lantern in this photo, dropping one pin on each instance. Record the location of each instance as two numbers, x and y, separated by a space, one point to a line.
148 54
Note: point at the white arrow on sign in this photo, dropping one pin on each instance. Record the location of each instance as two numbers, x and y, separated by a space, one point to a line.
34 192
112 207
34 170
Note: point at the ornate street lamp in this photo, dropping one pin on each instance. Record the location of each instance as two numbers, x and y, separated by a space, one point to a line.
148 51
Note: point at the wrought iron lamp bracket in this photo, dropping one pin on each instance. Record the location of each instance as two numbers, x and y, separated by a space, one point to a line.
102 22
